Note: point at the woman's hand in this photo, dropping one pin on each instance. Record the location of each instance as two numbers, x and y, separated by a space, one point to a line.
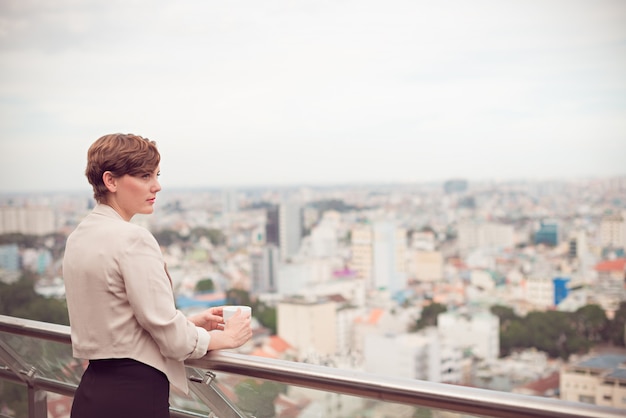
209 319
237 331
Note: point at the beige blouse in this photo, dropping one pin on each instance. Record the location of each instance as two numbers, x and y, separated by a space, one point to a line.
120 298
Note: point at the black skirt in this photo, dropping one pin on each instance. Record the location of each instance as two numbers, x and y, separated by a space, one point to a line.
121 388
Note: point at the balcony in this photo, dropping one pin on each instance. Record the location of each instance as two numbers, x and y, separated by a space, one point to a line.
225 384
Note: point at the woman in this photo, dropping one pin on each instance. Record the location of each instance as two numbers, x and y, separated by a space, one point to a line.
119 295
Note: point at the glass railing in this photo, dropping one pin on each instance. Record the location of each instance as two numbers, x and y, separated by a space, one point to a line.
38 357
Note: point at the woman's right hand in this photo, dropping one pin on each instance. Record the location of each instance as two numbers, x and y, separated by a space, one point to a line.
237 331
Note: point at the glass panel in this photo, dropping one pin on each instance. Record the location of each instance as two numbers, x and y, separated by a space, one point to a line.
253 397
51 359
267 399
13 399
58 405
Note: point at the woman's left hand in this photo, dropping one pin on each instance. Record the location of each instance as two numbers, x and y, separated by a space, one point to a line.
209 319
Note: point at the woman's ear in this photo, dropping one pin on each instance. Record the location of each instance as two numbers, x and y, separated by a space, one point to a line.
109 181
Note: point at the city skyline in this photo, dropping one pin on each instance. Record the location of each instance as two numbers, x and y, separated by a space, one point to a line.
315 93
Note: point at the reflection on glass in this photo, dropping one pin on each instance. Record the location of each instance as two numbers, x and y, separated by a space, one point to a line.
266 399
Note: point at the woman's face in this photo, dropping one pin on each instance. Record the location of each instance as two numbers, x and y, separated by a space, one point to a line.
135 194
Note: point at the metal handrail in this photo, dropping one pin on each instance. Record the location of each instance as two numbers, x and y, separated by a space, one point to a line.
406 391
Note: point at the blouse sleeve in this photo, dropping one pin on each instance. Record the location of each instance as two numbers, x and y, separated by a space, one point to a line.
151 298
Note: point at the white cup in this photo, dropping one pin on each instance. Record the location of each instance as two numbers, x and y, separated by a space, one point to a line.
230 310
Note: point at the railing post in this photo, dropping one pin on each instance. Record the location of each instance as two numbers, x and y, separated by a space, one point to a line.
204 387
37 403
37 398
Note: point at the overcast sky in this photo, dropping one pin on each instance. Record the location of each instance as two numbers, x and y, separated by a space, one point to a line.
256 92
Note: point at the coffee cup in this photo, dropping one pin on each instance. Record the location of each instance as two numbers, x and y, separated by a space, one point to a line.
230 310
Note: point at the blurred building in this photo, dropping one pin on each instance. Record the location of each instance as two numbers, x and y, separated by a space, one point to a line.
486 235
323 240
613 231
345 319
599 380
289 229
455 186
578 245
540 292
37 260
424 356
230 203
610 285
272 226
309 326
561 289
264 265
31 220
10 258
478 332
362 249
379 255
425 266
375 321
548 233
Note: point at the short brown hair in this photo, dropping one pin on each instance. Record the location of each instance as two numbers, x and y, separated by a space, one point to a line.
120 154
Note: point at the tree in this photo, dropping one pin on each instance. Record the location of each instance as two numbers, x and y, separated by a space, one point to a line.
267 316
216 236
421 412
591 322
552 332
258 398
429 316
238 297
514 336
166 237
19 299
615 327
205 285
505 314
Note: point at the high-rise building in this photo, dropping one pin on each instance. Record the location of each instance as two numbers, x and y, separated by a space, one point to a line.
272 226
264 269
379 255
230 203
289 229
613 231
389 257
362 257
